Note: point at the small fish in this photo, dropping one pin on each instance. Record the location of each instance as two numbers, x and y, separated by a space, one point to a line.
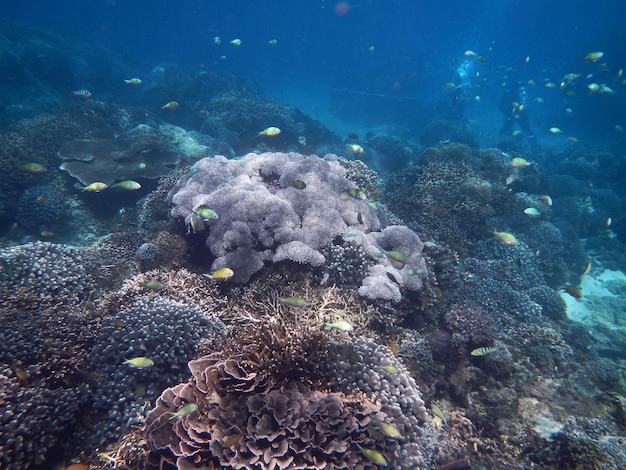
532 212
594 88
298 184
139 362
608 222
388 430
85 94
519 162
47 233
6 267
128 185
538 100
293 301
371 49
221 274
396 255
373 456
346 236
481 59
437 411
587 268
33 167
526 60
217 40
505 238
77 466
546 200
593 56
394 347
236 42
41 199
184 410
95 187
573 140
170 105
134 81
205 212
470 53
359 218
153 285
555 130
430 244
356 149
551 85
574 291
228 442
270 131
461 464
107 457
390 369
341 325
483 351
357 193
272 42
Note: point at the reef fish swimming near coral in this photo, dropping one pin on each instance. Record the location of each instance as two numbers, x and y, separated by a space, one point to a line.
221 274
139 362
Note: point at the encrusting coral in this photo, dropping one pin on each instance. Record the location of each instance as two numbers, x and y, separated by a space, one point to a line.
276 207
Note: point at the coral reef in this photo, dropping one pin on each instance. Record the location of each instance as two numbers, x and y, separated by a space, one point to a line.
175 331
40 276
40 208
295 399
262 217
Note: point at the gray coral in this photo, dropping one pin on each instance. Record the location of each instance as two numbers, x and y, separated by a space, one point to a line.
263 218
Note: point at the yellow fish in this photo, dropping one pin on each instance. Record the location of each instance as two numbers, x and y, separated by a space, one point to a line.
546 200
236 42
129 185
139 362
555 130
134 81
341 325
356 148
483 351
95 187
184 410
470 53
270 131
519 162
221 274
506 238
33 167
170 105
373 456
593 56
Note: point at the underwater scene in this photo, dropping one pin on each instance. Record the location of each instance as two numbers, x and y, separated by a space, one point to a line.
312 234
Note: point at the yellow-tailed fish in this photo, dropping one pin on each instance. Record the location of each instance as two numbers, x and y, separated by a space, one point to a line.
341 325
134 81
33 167
505 238
221 274
483 351
546 200
128 185
184 410
532 212
270 131
95 187
390 369
373 456
170 105
293 301
139 362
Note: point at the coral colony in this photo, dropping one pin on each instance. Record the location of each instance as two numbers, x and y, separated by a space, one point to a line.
207 279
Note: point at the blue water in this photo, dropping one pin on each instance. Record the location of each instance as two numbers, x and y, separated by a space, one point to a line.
322 51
